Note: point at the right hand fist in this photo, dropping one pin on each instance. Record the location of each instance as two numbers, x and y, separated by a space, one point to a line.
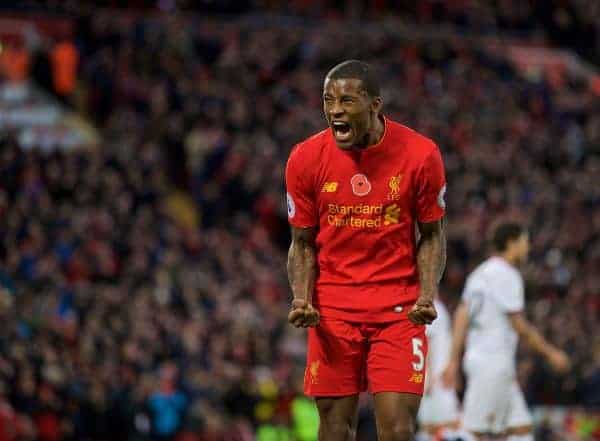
303 314
559 361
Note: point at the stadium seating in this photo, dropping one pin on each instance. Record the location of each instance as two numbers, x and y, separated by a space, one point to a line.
142 284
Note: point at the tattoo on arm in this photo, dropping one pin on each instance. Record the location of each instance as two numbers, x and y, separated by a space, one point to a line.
431 257
302 263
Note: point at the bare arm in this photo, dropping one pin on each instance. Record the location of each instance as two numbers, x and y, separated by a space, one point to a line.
302 272
431 260
459 332
557 358
459 335
431 257
302 263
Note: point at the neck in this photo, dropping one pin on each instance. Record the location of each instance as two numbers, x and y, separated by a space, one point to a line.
373 135
377 130
510 258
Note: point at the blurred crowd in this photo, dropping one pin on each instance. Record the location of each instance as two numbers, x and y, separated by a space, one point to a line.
573 23
142 283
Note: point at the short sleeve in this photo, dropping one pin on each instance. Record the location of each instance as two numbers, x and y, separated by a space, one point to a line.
301 204
431 188
473 296
470 291
510 295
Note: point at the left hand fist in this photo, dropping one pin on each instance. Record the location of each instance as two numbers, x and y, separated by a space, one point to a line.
303 314
423 312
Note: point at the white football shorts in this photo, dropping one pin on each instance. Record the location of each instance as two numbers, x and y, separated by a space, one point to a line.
438 407
493 400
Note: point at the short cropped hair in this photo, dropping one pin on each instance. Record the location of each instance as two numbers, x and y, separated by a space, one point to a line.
358 70
504 233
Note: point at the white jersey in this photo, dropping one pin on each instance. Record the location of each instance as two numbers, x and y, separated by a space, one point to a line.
493 289
439 337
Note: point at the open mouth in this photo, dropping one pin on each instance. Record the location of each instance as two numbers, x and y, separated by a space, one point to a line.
341 131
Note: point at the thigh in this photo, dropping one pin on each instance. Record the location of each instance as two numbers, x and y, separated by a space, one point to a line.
396 358
335 360
396 412
338 418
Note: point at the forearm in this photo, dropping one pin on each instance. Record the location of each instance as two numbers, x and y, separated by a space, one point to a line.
431 260
535 340
302 269
459 333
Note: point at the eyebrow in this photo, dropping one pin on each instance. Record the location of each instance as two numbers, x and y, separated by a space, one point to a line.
327 95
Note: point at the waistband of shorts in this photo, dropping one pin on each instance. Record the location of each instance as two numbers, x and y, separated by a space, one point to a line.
381 316
405 282
366 303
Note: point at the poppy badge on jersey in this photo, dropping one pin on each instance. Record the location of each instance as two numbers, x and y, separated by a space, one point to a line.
360 185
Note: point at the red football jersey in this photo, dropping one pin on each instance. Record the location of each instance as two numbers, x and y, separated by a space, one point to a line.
365 205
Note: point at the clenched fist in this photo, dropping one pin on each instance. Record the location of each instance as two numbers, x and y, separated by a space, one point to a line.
423 312
303 314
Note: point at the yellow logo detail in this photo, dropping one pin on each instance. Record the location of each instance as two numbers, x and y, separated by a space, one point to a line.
392 214
314 371
330 187
394 184
416 378
362 215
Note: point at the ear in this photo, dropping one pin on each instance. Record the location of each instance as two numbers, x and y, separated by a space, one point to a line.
376 104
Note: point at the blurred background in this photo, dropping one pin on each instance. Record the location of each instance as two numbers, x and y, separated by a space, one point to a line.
143 231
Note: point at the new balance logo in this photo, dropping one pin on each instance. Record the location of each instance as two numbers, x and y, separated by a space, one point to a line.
416 378
330 187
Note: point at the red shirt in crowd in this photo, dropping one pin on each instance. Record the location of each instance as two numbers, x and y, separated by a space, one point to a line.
365 205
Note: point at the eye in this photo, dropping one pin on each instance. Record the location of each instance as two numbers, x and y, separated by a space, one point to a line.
347 99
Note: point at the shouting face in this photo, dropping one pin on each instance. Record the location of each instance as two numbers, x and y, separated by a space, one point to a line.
350 112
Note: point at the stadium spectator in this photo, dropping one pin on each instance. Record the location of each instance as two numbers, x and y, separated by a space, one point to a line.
107 275
64 59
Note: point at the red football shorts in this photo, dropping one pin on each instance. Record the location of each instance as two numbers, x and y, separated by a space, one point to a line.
345 358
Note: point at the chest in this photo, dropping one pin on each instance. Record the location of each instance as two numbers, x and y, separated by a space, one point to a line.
371 180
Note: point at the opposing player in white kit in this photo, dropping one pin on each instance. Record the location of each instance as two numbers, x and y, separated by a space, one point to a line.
491 318
439 405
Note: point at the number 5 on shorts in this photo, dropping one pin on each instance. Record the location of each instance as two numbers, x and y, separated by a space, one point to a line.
417 345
